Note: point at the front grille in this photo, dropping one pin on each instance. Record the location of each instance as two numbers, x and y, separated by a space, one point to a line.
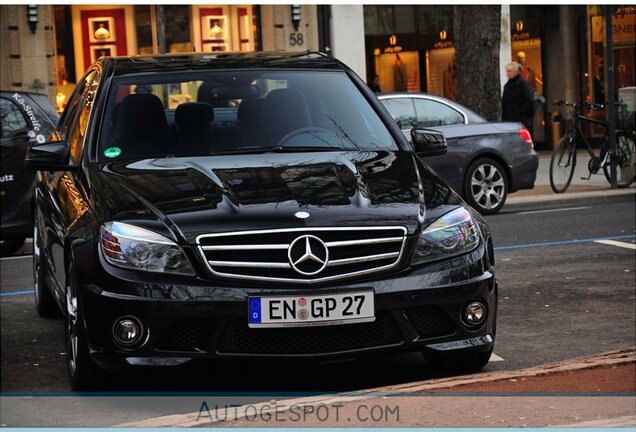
263 255
182 335
430 322
240 339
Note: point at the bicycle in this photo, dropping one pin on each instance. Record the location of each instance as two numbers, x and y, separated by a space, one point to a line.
563 158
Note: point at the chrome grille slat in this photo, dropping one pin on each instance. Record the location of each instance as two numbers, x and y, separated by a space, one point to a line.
263 255
363 242
253 264
362 259
246 247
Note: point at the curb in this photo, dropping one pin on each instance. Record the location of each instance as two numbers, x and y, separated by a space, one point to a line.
622 356
603 195
625 421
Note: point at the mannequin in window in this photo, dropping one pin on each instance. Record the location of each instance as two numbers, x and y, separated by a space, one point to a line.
527 74
399 74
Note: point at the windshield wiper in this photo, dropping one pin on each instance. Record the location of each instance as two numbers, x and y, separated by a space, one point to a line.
276 149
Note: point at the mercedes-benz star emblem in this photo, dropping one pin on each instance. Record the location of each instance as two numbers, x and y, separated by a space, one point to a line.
308 255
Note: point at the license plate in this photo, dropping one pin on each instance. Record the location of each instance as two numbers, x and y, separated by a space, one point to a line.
311 310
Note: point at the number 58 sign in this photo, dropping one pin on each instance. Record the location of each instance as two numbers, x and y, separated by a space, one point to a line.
296 39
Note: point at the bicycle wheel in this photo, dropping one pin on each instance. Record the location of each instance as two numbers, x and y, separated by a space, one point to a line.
626 158
562 164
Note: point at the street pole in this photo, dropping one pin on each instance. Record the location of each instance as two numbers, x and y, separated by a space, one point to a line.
611 111
153 27
161 29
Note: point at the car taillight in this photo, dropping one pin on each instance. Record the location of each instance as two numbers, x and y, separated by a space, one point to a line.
525 135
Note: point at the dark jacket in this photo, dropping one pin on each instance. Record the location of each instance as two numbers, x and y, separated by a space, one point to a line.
517 102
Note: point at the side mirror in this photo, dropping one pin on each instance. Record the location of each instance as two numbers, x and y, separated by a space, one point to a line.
50 156
428 142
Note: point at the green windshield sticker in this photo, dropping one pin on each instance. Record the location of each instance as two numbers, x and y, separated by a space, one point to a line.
112 152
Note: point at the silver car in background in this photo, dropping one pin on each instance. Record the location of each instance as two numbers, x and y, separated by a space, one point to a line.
485 161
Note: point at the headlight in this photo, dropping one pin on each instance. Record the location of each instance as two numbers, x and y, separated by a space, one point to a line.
137 248
453 234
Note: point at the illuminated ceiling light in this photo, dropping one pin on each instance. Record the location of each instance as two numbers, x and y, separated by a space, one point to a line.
392 40
519 26
443 34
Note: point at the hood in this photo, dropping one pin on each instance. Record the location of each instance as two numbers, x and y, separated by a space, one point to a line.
200 195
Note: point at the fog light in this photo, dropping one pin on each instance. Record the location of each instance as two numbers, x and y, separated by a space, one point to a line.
128 331
475 313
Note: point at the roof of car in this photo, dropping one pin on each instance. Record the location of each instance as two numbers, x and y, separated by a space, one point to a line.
473 117
203 61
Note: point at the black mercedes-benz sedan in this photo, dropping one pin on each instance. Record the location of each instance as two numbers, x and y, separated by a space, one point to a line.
251 205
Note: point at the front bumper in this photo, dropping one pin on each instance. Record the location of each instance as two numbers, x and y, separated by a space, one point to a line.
416 310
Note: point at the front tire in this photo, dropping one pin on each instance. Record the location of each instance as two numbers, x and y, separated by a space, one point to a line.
486 186
562 164
84 374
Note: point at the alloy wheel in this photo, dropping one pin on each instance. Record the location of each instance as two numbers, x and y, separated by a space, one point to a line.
487 186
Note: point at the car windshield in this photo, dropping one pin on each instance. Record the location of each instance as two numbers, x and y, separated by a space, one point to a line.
221 112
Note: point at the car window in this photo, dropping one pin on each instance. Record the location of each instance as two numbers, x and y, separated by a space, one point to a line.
402 111
203 113
84 104
11 118
431 113
70 112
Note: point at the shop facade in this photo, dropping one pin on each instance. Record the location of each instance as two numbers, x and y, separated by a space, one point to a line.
561 48
53 55
410 47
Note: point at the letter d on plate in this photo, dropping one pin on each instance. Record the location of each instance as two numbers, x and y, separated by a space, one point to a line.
254 310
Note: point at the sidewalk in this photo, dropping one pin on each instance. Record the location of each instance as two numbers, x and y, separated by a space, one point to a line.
596 391
596 187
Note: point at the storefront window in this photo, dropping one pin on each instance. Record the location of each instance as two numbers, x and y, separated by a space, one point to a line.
399 72
177 28
441 64
624 44
144 29
410 48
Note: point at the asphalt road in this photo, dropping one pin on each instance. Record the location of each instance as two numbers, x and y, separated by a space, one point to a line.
557 301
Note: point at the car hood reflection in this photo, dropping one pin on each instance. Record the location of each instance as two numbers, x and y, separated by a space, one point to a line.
208 194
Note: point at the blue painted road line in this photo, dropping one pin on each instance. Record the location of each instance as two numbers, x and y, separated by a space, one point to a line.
563 242
14 293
